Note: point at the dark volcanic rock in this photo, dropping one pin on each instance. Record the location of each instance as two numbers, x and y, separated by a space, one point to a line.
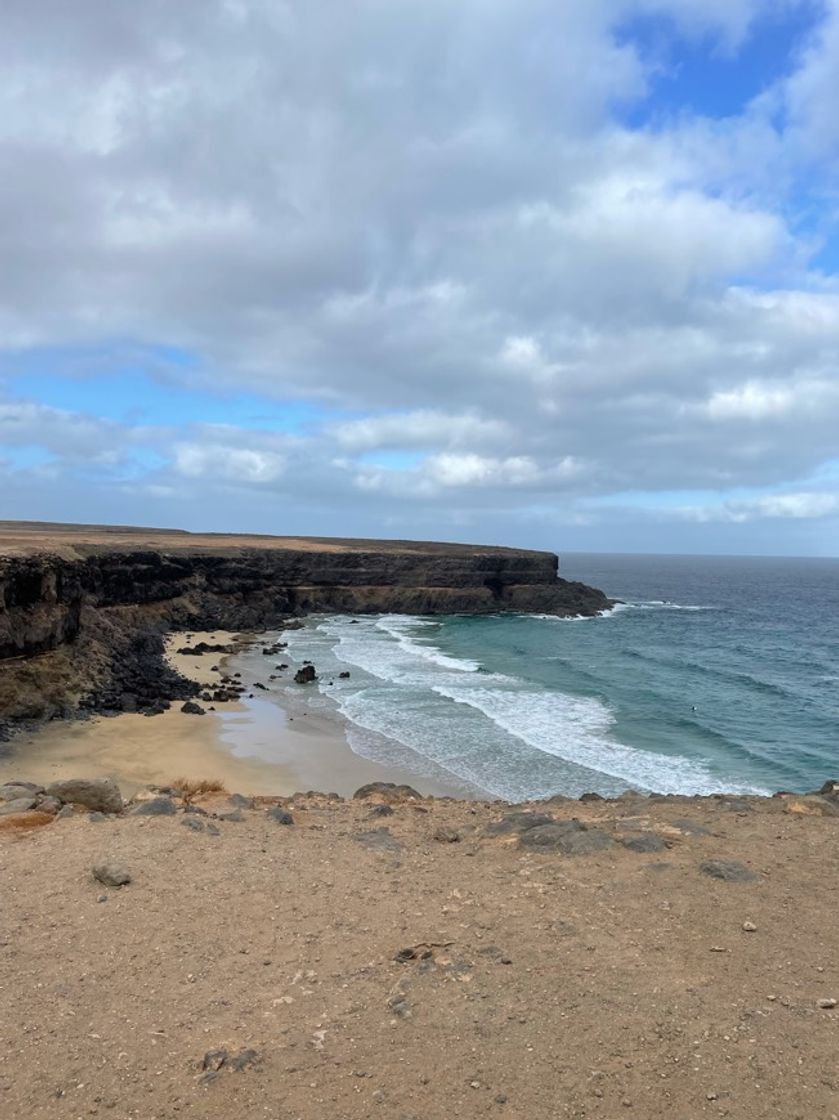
378 840
731 871
111 874
644 842
156 807
279 815
305 675
569 838
387 792
192 709
100 794
519 822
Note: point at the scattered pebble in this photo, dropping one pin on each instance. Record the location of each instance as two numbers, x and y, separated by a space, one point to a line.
827 1004
749 927
111 874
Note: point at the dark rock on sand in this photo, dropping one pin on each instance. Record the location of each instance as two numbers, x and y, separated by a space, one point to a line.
18 805
731 871
644 842
519 822
193 823
279 815
156 807
378 839
100 794
239 801
380 811
569 838
305 675
12 791
387 791
111 874
192 709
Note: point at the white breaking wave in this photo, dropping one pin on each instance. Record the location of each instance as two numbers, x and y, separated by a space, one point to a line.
408 702
655 605
575 729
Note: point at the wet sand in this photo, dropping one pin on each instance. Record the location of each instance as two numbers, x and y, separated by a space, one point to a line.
255 746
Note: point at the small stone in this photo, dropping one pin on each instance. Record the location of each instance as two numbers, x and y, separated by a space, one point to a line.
447 835
826 1004
711 1097
501 1098
235 815
193 823
213 829
96 817
111 874
279 815
190 708
475 1084
749 927
18 805
215 1059
101 898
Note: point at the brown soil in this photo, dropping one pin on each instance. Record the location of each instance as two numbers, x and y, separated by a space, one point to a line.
606 985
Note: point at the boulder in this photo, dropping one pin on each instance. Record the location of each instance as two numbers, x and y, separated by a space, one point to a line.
156 807
520 822
48 805
13 791
19 805
730 871
305 675
279 815
111 874
192 709
386 791
568 838
93 793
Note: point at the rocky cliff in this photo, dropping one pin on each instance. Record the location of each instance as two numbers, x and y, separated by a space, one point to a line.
82 609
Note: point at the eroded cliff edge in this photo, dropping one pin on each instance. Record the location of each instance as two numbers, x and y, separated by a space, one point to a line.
83 609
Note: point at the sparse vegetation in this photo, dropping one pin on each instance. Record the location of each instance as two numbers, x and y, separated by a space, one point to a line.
189 788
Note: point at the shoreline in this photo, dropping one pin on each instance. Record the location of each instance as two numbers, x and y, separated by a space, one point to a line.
259 746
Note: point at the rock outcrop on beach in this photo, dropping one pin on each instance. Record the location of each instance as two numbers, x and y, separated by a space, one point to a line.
83 609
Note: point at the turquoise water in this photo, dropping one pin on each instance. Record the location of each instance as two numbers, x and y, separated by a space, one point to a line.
715 674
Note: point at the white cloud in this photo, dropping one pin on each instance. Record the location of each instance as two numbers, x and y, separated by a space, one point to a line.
216 461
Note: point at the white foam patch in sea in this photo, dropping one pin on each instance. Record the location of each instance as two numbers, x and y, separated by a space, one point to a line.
405 691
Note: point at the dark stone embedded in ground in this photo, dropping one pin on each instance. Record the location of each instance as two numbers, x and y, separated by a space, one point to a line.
518 822
111 874
380 811
644 842
447 835
690 828
279 815
387 791
239 801
215 1061
100 794
378 840
156 708
192 709
305 675
235 815
569 838
156 807
731 871
193 823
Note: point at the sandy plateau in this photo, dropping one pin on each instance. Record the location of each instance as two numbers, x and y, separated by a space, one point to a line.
659 958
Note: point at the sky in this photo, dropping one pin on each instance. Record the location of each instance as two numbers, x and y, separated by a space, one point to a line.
551 273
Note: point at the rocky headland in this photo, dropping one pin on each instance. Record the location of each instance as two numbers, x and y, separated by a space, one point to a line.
83 609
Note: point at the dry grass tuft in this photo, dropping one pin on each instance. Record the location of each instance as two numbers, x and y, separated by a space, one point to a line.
189 788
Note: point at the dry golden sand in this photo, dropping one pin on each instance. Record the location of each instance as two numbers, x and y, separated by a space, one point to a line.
309 752
611 985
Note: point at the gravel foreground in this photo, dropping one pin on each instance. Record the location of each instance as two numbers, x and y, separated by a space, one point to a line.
416 959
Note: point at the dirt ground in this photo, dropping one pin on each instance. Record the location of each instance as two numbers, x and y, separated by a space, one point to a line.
536 984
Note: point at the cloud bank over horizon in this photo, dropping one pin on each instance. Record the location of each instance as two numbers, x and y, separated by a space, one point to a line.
554 275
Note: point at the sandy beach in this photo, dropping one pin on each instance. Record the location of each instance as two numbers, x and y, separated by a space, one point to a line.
305 751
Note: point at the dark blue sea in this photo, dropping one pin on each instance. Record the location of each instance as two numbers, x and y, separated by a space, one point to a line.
715 674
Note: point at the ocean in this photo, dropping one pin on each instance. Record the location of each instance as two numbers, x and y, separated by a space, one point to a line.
714 674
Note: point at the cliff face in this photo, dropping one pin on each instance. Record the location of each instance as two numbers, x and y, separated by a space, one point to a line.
82 610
